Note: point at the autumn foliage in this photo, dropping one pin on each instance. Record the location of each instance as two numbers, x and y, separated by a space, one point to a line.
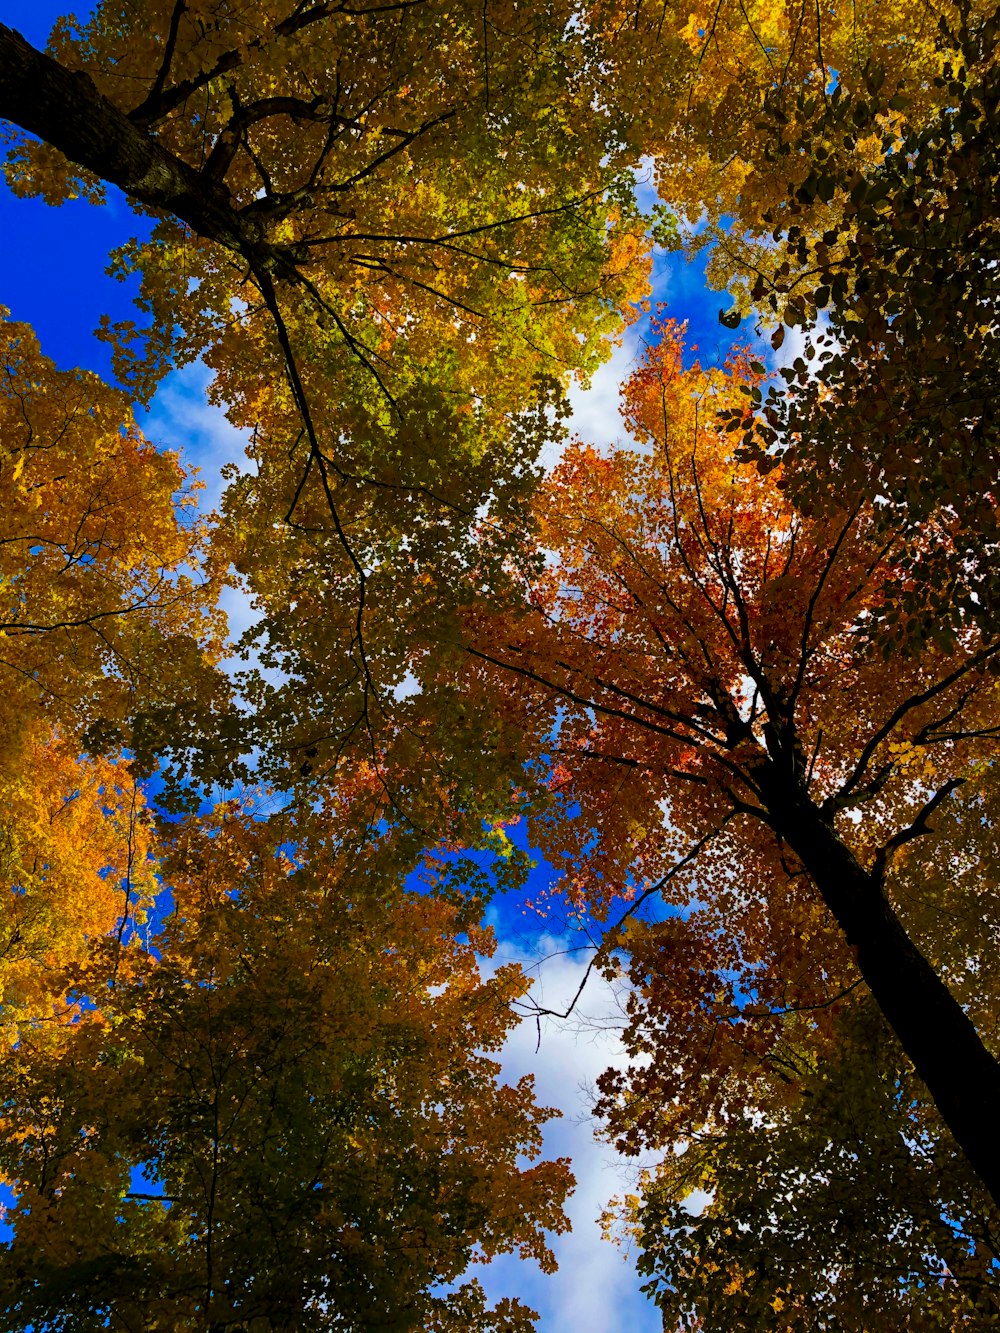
299 1053
701 662
739 673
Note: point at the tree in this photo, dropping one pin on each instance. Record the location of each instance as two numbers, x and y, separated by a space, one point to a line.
836 1201
318 146
75 847
905 405
108 628
697 664
281 1111
99 617
737 119
359 229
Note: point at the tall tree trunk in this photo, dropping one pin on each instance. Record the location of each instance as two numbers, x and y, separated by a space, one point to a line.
66 110
933 1029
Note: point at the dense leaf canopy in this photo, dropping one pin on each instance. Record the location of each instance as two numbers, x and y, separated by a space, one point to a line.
741 673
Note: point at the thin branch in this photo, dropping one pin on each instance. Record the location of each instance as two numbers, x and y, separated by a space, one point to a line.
608 942
807 623
316 457
907 706
154 108
917 829
798 1008
168 51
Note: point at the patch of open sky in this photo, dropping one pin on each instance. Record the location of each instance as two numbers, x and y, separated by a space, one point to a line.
54 275
595 1286
681 283
180 414
565 1057
146 1186
8 1199
679 291
33 19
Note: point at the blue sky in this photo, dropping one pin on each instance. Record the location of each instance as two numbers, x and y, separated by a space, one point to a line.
54 278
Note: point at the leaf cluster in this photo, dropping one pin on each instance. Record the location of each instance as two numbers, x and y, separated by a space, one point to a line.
895 394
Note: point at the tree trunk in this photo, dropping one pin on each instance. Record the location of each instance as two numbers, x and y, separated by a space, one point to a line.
66 110
933 1029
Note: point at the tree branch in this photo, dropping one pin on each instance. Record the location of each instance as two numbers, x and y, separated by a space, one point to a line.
917 829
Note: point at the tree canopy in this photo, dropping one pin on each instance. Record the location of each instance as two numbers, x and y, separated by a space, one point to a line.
698 657
295 1072
739 673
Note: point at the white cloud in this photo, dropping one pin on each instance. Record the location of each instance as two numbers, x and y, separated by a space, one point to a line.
181 418
596 417
596 1289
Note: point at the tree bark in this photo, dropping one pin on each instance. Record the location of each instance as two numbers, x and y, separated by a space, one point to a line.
66 109
933 1029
